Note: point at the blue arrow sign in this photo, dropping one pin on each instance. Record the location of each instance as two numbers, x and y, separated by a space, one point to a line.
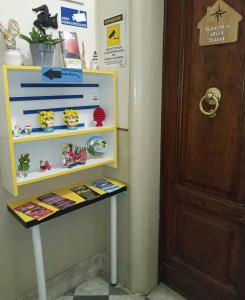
61 75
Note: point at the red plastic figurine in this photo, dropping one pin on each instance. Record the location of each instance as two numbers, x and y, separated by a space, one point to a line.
99 116
44 165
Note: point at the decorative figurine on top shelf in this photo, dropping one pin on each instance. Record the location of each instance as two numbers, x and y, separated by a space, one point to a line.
97 146
24 165
28 129
74 155
12 55
71 118
44 19
46 120
44 165
99 116
94 64
17 131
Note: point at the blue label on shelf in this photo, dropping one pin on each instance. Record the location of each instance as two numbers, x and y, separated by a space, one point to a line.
61 75
74 17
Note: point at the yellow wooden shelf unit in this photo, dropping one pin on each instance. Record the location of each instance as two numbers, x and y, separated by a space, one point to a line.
25 94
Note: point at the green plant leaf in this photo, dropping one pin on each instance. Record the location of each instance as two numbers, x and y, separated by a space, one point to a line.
37 36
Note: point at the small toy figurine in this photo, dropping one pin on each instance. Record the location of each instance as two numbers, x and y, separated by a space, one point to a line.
71 118
99 116
94 64
74 155
44 19
46 120
17 131
44 165
96 146
28 129
10 34
24 164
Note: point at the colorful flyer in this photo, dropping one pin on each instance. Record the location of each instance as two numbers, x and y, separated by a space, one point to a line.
56 201
70 49
105 185
34 210
85 192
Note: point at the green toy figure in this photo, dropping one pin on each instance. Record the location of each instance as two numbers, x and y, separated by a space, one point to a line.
24 164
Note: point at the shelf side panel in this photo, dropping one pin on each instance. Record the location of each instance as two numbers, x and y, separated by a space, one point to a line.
7 158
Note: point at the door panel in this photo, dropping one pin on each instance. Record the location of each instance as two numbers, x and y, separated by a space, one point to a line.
208 142
202 231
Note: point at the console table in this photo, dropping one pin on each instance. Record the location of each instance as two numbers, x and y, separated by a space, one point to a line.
34 211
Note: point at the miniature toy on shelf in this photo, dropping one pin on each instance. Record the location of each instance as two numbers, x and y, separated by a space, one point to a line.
71 118
99 116
74 155
17 131
46 120
44 165
24 165
96 146
94 64
28 129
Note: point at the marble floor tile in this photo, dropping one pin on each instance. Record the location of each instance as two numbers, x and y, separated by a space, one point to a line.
91 297
127 297
118 290
163 292
92 287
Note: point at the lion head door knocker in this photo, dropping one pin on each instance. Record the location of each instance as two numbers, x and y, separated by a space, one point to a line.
44 19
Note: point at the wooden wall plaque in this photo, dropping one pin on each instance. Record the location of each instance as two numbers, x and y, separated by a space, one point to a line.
220 25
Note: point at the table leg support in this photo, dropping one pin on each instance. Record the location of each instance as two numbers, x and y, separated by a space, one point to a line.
113 240
38 253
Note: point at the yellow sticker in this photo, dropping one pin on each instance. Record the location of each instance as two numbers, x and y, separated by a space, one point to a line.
113 35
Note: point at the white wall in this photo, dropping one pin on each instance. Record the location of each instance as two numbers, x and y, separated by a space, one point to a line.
139 107
107 9
71 238
22 12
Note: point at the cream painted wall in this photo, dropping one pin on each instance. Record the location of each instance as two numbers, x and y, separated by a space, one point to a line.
139 107
71 238
106 9
22 12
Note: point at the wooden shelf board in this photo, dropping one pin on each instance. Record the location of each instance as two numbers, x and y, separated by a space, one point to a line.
35 176
36 136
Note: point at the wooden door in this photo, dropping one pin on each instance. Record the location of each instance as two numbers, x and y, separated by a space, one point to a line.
202 231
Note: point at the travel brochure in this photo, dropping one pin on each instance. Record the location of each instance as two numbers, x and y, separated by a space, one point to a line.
105 185
37 211
85 192
70 49
56 201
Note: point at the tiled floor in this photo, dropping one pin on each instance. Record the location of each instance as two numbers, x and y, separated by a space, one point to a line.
99 289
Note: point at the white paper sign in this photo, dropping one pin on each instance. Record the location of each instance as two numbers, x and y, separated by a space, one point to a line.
114 55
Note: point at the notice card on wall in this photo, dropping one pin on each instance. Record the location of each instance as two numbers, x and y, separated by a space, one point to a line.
220 25
114 41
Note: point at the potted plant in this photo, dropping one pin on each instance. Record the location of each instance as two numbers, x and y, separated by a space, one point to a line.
41 46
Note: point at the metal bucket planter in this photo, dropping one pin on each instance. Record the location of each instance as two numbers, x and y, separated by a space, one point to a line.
42 54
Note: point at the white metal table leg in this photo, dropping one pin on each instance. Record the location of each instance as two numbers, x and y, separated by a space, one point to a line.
38 253
113 240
